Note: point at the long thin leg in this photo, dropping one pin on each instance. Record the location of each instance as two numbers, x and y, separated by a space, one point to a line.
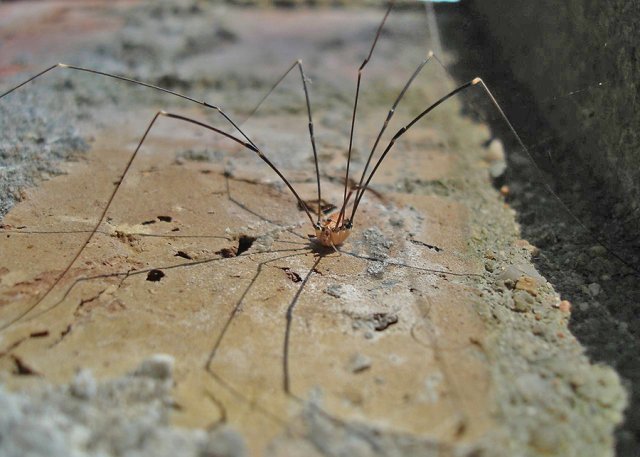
119 184
131 81
355 103
479 82
238 305
89 238
401 132
387 120
132 273
430 55
287 333
251 147
595 237
297 63
344 206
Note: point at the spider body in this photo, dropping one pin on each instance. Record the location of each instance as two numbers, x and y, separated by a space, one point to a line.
331 232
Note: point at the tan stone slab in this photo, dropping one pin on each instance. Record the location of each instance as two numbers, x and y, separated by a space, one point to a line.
421 376
384 334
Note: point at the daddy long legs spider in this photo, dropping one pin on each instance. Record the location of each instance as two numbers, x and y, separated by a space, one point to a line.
263 313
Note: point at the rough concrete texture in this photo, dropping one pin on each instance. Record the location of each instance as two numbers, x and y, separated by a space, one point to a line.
429 333
579 60
126 416
565 75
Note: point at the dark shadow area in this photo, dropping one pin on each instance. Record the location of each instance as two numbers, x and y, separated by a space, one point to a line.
597 269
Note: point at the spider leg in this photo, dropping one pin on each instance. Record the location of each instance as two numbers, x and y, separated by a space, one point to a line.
106 208
298 64
355 102
345 204
131 81
597 238
430 56
287 334
402 131
480 83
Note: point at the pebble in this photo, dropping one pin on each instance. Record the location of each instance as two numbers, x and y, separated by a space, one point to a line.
528 284
597 250
497 169
158 366
531 249
335 290
376 269
511 273
594 289
495 151
515 272
565 306
224 442
522 301
83 385
490 255
359 363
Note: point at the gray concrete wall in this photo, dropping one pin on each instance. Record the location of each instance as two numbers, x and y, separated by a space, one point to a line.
567 75
580 61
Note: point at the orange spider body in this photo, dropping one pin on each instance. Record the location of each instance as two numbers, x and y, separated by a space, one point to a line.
330 234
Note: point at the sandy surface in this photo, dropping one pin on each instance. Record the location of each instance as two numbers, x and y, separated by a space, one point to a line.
429 333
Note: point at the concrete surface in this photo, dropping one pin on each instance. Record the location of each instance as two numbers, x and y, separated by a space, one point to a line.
566 75
429 333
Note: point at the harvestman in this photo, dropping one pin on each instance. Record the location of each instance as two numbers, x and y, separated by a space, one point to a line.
327 232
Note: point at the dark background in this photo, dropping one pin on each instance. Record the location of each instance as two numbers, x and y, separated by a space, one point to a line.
566 74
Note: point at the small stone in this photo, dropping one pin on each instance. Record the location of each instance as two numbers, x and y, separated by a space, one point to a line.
495 151
158 366
382 321
598 250
224 442
497 169
511 273
376 269
359 363
335 290
490 255
83 385
522 301
565 306
594 289
531 249
527 284
515 272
